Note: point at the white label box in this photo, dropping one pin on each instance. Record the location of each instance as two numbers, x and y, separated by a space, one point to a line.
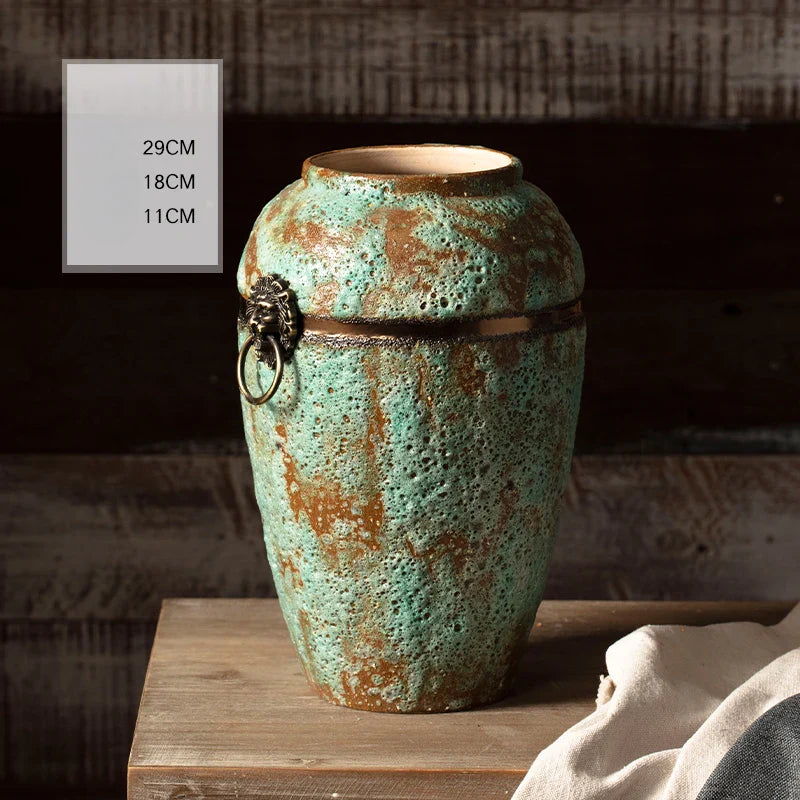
142 178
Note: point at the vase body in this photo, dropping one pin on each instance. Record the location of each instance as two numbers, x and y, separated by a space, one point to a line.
410 485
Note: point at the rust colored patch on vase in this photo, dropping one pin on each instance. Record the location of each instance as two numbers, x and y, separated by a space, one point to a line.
279 203
310 236
405 252
513 240
324 297
451 544
325 505
471 379
254 432
305 631
515 280
251 259
375 438
376 422
316 238
408 256
375 674
376 427
287 564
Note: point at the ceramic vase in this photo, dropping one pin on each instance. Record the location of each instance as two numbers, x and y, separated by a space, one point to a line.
411 357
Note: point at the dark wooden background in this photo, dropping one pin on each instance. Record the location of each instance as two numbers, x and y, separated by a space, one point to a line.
666 131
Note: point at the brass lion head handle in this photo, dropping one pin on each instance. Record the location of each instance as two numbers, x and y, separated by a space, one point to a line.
270 315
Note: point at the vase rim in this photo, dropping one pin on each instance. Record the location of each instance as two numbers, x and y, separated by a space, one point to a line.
446 169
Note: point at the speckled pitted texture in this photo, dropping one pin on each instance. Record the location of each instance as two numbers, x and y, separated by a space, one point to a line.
354 247
410 492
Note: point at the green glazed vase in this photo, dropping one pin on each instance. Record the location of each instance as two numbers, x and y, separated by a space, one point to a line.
412 356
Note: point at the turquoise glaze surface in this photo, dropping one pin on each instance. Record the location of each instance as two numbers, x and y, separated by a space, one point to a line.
410 489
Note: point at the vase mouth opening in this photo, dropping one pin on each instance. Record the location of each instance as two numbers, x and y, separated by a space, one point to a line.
417 159
452 169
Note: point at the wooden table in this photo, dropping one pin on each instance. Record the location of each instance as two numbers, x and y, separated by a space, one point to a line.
226 712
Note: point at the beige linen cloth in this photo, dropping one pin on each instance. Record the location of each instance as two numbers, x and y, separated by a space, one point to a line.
675 700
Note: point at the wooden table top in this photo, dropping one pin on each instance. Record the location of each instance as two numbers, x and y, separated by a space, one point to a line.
226 711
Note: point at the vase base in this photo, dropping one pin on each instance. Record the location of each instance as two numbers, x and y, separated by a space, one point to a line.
426 704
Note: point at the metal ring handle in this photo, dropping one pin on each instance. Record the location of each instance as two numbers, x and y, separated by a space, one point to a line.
276 378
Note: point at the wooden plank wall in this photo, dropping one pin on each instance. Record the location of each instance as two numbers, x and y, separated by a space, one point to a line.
690 239
122 473
512 59
84 572
119 533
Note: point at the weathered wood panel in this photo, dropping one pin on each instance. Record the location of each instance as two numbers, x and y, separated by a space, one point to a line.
653 206
108 537
661 215
70 692
680 527
100 540
690 238
668 370
521 59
